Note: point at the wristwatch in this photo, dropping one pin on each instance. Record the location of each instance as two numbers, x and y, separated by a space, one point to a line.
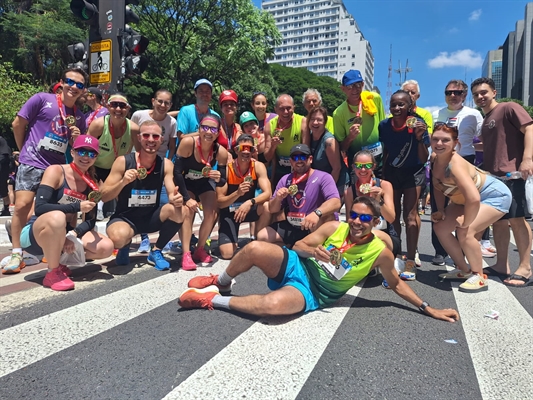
252 201
422 307
318 212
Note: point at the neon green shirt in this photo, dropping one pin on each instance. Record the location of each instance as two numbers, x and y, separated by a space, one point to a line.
291 136
361 258
106 157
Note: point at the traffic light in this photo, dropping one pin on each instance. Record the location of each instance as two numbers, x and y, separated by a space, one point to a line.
78 52
85 10
134 44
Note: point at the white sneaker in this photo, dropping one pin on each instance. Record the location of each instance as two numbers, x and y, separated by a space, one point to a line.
418 263
488 252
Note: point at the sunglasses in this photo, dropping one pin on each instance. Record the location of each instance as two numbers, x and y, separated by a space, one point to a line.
207 128
440 124
118 104
244 147
89 95
87 153
360 165
146 136
72 82
454 92
164 103
299 157
362 217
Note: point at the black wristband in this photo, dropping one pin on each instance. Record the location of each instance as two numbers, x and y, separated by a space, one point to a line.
422 307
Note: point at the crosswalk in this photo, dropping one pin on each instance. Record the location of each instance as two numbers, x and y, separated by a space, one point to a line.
124 337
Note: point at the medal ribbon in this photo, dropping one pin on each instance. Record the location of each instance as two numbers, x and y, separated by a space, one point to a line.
358 113
61 111
199 146
112 131
93 115
238 169
346 246
85 176
138 159
285 127
301 178
233 134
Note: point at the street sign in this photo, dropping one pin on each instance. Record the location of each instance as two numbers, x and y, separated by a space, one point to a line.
100 62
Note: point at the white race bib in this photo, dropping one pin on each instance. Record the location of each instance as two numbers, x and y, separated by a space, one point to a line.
295 219
142 198
375 149
234 207
285 161
194 175
54 143
71 196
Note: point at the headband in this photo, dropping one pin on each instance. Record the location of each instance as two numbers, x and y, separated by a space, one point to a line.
116 97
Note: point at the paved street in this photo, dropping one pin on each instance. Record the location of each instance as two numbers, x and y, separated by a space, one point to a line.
121 335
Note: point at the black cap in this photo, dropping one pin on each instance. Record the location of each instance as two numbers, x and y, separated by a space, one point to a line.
97 92
300 148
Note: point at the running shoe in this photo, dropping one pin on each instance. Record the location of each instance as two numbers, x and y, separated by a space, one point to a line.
198 298
175 248
439 259
201 282
409 273
5 212
487 251
418 263
166 249
187 263
385 284
66 270
202 256
58 281
14 265
476 283
145 245
456 274
123 256
155 257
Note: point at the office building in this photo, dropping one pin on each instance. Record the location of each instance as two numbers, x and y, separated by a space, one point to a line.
492 68
322 36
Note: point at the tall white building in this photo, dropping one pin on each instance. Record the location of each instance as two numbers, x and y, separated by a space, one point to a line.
322 36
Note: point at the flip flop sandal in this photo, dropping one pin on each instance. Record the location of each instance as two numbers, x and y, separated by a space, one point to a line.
514 277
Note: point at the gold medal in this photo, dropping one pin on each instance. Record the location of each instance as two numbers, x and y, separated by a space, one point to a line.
94 196
205 171
256 141
365 188
335 257
357 121
277 133
142 173
70 120
248 179
411 122
293 189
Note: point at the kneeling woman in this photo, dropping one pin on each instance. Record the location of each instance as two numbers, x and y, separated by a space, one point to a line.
477 200
64 190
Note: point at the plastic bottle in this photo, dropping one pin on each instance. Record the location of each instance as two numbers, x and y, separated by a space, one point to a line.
529 194
513 175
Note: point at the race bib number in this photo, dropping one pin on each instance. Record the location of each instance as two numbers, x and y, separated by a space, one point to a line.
335 272
375 149
295 218
71 196
142 198
54 143
285 161
234 207
194 175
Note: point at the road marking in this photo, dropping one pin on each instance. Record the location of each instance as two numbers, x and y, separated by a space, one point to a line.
282 351
32 341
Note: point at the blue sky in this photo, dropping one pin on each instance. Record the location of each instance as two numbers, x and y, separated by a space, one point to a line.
442 39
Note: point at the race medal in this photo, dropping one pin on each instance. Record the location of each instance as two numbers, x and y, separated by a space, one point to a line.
205 171
335 257
365 188
94 196
142 172
249 179
256 141
277 132
411 122
70 120
357 120
293 189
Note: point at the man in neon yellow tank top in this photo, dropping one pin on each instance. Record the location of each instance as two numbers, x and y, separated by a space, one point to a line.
319 270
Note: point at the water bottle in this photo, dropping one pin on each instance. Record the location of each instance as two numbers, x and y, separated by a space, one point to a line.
513 175
529 194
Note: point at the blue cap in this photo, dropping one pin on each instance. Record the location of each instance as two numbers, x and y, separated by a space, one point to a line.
202 81
351 77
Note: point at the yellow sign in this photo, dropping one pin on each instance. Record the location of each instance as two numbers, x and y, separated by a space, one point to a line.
100 62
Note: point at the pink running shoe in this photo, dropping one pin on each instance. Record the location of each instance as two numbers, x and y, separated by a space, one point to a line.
57 280
187 264
66 270
201 282
198 298
201 256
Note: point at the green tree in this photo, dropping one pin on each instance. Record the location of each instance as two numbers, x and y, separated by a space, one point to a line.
16 88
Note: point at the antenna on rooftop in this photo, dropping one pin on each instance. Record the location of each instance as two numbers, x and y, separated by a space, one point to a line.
389 80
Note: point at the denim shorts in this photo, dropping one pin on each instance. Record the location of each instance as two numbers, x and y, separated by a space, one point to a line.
496 194
294 275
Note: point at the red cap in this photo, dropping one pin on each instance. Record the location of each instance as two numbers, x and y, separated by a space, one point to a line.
227 95
57 86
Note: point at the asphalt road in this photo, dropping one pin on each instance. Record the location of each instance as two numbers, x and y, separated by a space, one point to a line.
121 335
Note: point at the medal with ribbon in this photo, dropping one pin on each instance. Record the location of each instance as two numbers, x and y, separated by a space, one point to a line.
207 168
335 255
248 178
69 120
95 195
142 171
279 129
358 119
293 186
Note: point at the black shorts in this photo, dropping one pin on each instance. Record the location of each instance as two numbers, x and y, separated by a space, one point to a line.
4 176
101 173
396 241
228 229
405 177
518 203
289 234
200 186
140 225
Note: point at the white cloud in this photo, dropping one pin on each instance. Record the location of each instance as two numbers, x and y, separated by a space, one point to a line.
453 30
460 58
474 15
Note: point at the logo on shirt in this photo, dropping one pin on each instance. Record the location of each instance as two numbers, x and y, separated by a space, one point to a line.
299 199
491 124
48 104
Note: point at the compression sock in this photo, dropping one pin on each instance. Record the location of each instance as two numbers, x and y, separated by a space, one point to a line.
168 229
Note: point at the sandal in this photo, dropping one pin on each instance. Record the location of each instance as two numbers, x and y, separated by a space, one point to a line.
515 277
